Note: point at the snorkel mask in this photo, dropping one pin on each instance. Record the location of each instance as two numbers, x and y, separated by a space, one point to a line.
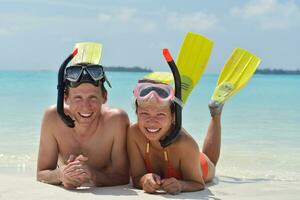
85 73
78 73
162 93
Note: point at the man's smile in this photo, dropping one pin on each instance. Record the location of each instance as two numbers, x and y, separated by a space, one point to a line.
85 115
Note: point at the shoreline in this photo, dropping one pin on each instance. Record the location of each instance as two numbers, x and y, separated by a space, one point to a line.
145 70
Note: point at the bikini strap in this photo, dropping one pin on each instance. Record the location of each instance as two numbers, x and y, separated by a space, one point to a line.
147 147
166 155
147 159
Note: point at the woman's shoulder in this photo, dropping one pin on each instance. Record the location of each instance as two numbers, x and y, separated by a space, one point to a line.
134 130
135 137
185 142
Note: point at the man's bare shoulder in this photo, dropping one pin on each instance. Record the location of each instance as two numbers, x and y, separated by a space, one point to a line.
115 115
134 128
51 121
116 121
51 117
50 113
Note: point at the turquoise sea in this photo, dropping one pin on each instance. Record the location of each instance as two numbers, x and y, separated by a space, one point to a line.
260 125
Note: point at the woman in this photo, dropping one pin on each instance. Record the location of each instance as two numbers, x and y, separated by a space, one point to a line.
180 167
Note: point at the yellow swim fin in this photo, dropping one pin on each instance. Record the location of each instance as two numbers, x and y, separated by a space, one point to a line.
88 52
192 60
163 77
236 72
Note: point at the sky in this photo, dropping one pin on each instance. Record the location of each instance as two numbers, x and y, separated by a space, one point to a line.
39 34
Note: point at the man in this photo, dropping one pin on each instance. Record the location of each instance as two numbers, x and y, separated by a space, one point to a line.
94 151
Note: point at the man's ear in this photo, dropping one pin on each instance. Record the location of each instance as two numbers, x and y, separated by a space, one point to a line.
66 98
105 97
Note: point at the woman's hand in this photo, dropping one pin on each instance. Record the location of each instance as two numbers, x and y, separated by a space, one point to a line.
151 182
172 185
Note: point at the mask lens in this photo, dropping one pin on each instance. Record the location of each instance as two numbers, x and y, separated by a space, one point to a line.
95 71
163 93
73 73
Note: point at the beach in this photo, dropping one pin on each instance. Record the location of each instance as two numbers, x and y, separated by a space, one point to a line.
13 187
260 137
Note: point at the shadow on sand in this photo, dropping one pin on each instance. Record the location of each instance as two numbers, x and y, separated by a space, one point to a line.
122 190
128 190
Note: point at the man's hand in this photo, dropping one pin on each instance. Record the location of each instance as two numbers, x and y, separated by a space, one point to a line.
171 185
87 172
73 175
151 182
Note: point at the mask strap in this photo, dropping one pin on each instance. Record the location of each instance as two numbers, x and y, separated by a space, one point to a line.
178 101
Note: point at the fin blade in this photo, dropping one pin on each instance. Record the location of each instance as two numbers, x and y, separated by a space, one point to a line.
88 52
231 66
235 74
192 60
249 69
164 77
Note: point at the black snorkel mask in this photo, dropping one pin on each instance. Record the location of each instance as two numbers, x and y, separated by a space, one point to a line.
178 109
85 73
73 76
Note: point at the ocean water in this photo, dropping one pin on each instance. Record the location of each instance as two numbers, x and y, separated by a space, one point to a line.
260 124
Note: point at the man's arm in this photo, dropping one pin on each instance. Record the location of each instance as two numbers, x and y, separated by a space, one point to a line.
47 170
117 173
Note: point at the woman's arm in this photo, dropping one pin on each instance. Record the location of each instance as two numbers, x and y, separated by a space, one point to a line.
136 161
188 152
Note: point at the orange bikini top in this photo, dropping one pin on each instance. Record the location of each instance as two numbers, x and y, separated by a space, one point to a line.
169 169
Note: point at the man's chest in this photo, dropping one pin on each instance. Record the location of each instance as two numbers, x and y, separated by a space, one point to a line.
97 149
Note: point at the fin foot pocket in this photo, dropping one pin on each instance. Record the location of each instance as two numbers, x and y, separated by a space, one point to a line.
215 108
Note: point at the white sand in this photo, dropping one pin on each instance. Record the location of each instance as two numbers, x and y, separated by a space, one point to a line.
12 187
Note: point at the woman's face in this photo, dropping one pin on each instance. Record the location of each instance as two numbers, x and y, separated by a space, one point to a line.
154 121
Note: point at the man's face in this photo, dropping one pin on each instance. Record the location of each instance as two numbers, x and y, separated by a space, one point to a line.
85 102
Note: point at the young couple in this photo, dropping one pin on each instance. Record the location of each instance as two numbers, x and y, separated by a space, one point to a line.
84 142
94 152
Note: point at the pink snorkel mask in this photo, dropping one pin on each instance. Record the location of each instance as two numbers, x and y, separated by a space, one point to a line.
162 93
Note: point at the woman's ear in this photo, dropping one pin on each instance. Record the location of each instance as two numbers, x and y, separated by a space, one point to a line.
173 118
